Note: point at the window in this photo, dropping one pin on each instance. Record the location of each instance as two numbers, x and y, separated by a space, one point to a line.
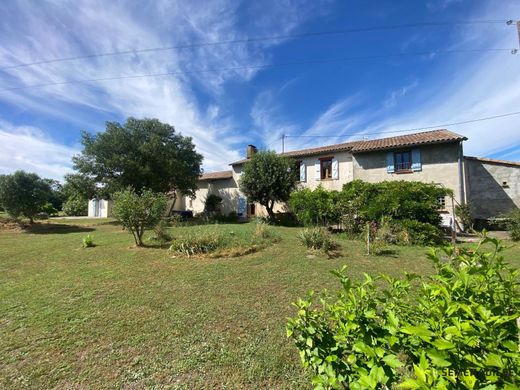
442 202
326 168
297 164
403 161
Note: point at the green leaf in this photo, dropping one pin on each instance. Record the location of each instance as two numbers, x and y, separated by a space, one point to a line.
409 384
443 344
469 381
494 360
421 331
392 361
438 358
419 373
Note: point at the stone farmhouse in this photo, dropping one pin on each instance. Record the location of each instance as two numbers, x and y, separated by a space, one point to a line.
492 187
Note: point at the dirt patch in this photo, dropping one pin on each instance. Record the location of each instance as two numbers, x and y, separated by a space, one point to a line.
12 225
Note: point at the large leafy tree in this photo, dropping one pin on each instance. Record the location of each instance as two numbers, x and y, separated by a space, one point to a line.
77 190
24 194
268 178
141 154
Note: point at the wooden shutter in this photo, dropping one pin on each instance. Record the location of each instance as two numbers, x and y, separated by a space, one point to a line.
390 162
335 169
303 172
416 160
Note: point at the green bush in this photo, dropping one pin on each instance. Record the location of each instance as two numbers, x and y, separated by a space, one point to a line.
138 212
212 203
49 209
463 213
88 241
161 233
75 206
315 207
316 238
514 225
419 233
457 331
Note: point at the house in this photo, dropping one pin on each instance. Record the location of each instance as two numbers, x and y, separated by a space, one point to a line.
491 186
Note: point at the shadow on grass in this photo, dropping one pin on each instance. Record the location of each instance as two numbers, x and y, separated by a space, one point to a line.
56 228
387 253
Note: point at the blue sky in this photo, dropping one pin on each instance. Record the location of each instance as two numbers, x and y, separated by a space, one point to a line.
225 110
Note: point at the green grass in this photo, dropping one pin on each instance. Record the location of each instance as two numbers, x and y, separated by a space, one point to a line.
115 315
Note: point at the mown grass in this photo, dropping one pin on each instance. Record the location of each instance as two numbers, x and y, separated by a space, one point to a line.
119 316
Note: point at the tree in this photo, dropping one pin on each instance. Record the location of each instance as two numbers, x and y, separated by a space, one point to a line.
24 194
77 190
138 212
268 178
140 154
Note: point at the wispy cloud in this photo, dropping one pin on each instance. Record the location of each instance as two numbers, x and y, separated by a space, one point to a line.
51 30
29 149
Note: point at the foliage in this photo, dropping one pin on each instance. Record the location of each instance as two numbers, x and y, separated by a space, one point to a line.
458 331
196 244
138 212
420 233
263 231
49 209
24 194
317 238
315 207
88 241
398 200
513 225
268 178
142 154
212 203
75 206
57 196
463 213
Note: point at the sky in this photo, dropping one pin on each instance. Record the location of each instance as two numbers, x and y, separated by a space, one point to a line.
226 96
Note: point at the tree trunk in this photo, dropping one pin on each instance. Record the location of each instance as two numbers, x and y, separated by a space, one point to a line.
269 207
174 197
31 220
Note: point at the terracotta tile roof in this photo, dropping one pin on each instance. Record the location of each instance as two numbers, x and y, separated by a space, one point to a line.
427 137
221 175
493 161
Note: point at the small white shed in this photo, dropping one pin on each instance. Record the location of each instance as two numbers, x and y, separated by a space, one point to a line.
99 208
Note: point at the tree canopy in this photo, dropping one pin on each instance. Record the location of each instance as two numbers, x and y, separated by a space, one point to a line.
141 154
24 194
268 178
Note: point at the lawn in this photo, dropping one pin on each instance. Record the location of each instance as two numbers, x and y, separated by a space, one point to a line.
119 316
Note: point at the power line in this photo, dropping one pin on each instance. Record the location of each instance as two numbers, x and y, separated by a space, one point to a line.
414 129
256 39
261 66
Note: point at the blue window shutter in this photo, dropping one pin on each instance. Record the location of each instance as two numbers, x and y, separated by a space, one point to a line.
390 162
302 171
416 160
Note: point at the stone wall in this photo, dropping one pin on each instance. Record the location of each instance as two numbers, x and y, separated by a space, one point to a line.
493 187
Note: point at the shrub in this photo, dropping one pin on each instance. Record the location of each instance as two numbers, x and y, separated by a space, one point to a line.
315 207
88 241
421 233
75 206
139 212
49 209
196 244
316 238
212 203
457 331
463 213
514 225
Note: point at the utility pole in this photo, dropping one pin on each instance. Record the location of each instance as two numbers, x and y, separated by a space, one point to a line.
283 143
518 29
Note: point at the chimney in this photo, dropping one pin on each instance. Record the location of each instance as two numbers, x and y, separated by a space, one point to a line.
251 149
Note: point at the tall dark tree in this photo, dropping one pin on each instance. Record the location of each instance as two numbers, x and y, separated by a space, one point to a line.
77 190
268 178
24 194
142 154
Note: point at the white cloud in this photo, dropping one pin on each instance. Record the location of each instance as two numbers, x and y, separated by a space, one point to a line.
52 30
28 149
